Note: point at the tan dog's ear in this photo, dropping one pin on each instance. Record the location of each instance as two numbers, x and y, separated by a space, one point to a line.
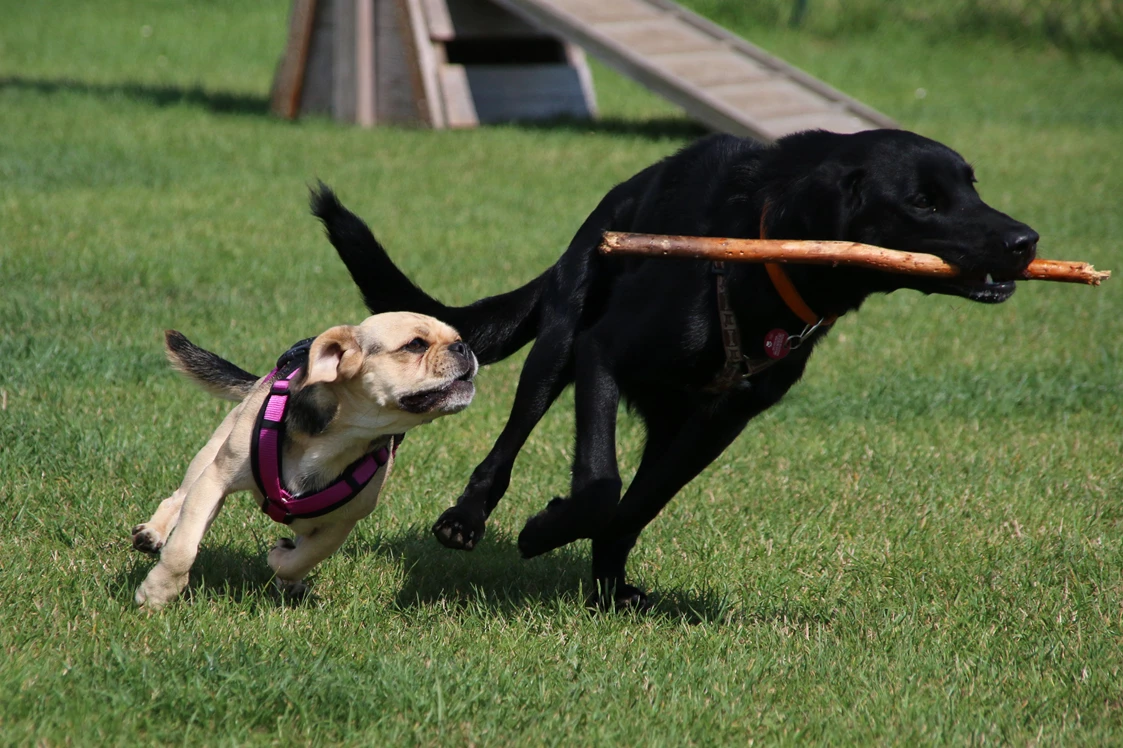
335 355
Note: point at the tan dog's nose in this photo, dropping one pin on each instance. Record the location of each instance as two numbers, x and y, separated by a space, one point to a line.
460 348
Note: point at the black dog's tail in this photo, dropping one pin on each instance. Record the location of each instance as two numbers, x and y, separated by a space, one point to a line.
214 374
494 327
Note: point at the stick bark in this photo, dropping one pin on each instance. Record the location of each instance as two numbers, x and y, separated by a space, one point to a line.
826 253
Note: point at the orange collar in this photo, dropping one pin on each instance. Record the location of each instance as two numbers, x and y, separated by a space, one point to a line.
784 286
791 297
778 343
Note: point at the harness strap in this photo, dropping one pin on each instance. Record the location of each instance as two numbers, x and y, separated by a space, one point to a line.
778 343
265 459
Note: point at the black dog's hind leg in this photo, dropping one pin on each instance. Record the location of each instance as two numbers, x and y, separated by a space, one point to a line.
667 465
595 488
548 369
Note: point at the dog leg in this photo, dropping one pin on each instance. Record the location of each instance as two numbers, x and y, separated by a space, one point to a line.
595 489
149 537
201 505
547 371
292 560
667 465
610 591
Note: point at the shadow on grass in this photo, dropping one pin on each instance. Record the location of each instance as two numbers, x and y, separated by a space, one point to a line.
221 102
161 96
495 578
219 573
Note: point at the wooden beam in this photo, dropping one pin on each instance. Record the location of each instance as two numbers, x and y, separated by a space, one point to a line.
364 63
289 79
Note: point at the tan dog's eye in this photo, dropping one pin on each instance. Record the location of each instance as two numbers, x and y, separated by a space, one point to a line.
417 345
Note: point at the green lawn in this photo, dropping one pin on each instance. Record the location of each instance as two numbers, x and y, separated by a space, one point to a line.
923 544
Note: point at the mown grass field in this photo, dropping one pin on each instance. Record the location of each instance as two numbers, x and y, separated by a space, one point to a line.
923 544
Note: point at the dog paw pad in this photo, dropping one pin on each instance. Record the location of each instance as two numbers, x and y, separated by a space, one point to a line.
147 540
290 591
455 529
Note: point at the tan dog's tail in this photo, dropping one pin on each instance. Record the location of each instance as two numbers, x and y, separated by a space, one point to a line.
214 374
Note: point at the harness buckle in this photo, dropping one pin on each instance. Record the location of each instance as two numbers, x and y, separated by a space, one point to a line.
276 512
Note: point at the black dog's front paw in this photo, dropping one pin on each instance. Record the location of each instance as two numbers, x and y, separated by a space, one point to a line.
618 597
460 529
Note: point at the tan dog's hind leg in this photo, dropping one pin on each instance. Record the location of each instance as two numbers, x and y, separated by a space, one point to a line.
201 505
150 536
291 561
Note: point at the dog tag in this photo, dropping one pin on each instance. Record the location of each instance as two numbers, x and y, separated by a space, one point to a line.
776 344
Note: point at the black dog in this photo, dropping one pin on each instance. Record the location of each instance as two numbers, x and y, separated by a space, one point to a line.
648 330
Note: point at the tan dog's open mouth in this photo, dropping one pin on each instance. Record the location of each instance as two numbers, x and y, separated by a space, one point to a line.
451 398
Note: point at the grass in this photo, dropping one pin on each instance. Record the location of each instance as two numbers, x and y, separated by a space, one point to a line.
923 544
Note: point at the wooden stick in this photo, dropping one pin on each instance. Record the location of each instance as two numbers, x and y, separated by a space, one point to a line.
825 253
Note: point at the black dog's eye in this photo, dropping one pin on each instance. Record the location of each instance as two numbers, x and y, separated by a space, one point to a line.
417 345
921 201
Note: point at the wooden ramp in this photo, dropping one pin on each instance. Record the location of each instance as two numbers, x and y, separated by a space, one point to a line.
717 77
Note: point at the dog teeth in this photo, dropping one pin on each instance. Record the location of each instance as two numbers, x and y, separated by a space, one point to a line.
989 279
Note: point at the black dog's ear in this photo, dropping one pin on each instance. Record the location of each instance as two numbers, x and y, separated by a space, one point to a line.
820 205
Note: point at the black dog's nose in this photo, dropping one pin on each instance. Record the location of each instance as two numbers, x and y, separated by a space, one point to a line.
1022 242
460 348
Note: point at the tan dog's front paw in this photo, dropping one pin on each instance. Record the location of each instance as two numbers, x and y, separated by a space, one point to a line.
291 591
147 539
159 588
279 553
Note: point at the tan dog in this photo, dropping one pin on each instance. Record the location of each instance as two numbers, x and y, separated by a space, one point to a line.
362 387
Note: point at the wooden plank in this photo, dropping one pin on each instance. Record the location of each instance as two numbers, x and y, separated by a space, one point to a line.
604 11
398 98
459 107
656 37
642 49
422 56
364 63
343 80
288 81
575 56
638 67
711 68
876 118
316 91
771 98
437 19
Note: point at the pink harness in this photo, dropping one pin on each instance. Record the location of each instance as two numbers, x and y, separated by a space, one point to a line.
265 459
